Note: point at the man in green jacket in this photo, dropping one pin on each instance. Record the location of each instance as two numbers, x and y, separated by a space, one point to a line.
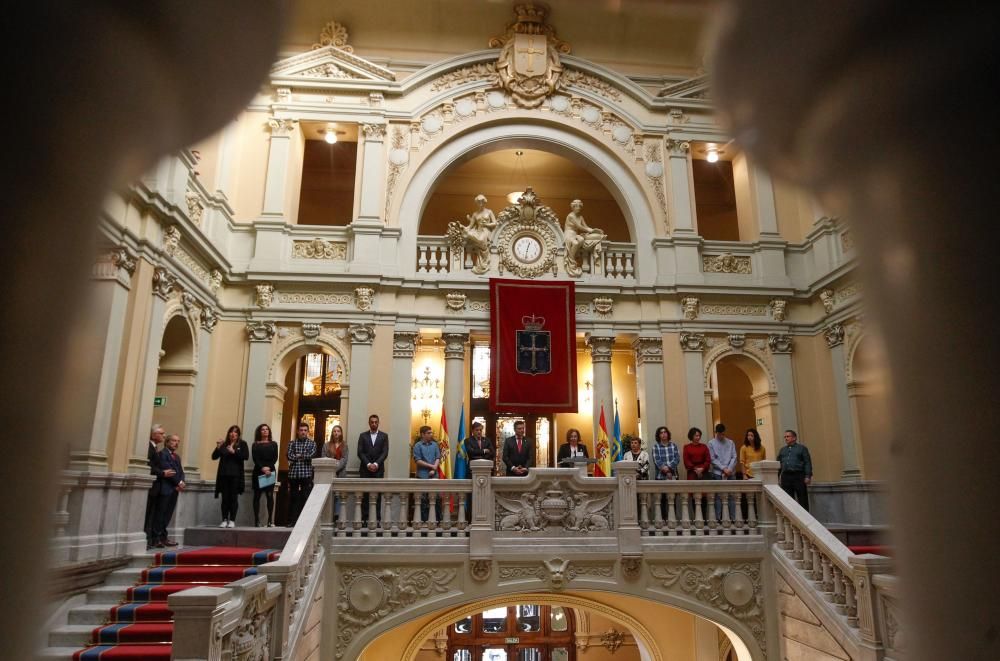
796 469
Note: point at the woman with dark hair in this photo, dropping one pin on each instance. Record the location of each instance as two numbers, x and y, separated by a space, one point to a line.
752 450
336 449
573 447
230 452
265 456
696 458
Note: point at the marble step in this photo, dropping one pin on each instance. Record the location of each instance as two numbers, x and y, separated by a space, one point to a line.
93 615
70 635
56 654
107 594
128 577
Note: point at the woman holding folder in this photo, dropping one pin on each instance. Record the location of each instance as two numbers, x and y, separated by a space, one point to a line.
265 456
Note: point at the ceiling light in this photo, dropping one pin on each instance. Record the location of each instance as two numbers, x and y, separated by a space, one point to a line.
330 136
713 155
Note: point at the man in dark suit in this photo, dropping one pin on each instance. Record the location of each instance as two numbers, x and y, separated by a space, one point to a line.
169 485
373 448
479 446
518 452
155 438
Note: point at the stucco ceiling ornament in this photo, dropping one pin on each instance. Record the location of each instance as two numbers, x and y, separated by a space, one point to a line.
529 67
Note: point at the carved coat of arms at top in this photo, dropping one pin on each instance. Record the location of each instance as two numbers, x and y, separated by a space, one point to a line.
529 66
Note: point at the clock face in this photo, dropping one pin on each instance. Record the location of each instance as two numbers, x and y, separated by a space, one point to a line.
527 249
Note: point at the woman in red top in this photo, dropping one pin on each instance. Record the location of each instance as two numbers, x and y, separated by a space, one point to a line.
696 458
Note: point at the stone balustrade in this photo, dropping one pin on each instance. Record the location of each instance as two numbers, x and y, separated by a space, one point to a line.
434 255
401 508
678 508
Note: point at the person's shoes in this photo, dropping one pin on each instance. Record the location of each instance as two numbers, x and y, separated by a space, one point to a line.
159 545
169 542
231 524
270 525
224 524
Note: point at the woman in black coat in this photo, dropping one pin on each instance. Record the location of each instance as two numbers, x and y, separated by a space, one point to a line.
265 456
230 452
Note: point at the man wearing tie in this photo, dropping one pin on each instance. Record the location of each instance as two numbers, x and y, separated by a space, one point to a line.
479 446
373 448
518 452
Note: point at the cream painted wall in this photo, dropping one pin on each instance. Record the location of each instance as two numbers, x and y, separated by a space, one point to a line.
251 168
225 388
676 392
208 151
792 211
871 408
745 211
818 427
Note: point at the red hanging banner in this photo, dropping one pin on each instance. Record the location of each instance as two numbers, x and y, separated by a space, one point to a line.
532 346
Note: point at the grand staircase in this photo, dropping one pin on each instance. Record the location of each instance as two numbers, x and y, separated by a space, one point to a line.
128 617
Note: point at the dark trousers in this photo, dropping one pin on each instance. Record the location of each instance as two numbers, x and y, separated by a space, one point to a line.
269 493
147 526
300 488
229 486
364 509
425 507
794 484
163 512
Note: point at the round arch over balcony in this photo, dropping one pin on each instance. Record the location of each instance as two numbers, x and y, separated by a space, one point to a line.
547 135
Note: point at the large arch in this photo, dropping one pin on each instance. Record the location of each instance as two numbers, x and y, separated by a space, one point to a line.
524 130
765 395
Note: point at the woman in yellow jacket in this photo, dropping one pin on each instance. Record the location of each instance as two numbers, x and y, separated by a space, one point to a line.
752 450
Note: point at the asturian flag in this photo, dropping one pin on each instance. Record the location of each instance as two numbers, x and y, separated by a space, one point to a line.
461 457
603 467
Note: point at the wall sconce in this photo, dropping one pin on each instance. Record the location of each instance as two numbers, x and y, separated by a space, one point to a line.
425 393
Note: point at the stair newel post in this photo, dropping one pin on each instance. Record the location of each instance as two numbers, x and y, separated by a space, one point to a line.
865 568
483 507
324 472
197 615
629 541
767 471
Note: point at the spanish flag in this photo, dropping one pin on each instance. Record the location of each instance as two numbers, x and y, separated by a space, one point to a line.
444 469
603 452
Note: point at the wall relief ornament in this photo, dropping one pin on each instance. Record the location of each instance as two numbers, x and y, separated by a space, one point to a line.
692 341
364 298
171 239
455 301
690 306
333 34
328 70
612 639
124 260
208 318
591 83
188 301
319 249
251 639
734 589
777 307
399 157
215 280
369 594
531 226
474 238
826 298
734 309
195 207
726 263
631 567
834 335
556 505
603 305
265 295
484 71
779 343
481 569
528 66
164 282
737 341
311 331
361 333
261 331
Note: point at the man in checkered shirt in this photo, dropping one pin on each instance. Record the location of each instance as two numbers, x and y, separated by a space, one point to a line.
300 471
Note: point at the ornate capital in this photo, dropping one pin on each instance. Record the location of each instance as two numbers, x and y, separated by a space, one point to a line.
188 300
648 350
404 344
834 335
778 309
281 127
779 343
171 239
455 301
737 340
454 345
265 295
374 132
690 306
124 260
600 348
603 306
692 341
261 331
164 282
826 297
208 318
678 148
195 207
117 264
311 331
364 298
361 333
215 280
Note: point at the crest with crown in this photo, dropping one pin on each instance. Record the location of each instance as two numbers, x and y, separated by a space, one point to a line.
533 322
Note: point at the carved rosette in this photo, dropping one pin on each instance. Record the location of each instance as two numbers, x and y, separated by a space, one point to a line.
361 333
737 341
404 344
311 331
454 345
726 263
171 240
265 295
481 569
777 307
164 282
690 305
600 348
779 343
648 350
455 301
603 306
369 594
208 318
834 335
261 331
692 341
364 298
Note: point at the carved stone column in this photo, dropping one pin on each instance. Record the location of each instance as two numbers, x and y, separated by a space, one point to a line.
780 347
276 187
404 344
600 347
454 380
366 229
164 284
834 336
651 391
693 344
105 325
680 187
260 335
361 336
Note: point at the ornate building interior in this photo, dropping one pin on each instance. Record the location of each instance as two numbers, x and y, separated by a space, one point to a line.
327 255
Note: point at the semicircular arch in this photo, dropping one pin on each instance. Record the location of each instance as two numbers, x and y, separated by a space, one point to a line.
290 349
765 376
173 310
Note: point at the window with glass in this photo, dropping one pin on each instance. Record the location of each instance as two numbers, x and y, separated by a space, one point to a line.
521 632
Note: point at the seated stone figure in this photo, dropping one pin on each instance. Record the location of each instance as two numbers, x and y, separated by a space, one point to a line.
475 236
581 241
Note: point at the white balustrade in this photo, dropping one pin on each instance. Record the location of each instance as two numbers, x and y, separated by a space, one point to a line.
401 508
686 508
619 261
433 254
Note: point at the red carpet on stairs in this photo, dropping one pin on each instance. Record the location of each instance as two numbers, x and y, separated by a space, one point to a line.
142 627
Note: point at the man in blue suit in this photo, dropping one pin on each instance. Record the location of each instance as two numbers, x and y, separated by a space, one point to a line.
169 483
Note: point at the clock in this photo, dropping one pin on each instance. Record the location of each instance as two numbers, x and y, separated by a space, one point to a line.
527 249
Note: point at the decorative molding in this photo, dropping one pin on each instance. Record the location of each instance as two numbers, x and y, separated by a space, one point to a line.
314 298
692 341
737 341
590 83
612 639
603 306
454 345
600 348
726 263
370 594
329 70
195 207
481 72
261 331
265 295
311 331
364 298
455 301
848 291
528 66
281 127
735 590
333 34
647 350
404 344
164 282
184 257
480 569
361 333
834 335
777 307
690 306
373 132
556 505
208 318
319 249
479 306
779 343
826 298
581 308
734 309
171 239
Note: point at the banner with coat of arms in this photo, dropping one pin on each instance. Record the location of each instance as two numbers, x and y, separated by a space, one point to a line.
532 346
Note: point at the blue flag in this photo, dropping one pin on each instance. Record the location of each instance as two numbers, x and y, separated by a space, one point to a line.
618 451
461 458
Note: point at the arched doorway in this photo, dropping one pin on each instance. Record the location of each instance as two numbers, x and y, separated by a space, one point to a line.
521 632
175 381
742 397
866 390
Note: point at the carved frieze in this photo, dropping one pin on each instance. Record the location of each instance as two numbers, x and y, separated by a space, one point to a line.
734 309
726 263
556 571
690 305
557 505
779 343
692 341
319 249
184 257
261 331
590 83
265 295
314 298
329 70
364 298
361 333
483 71
848 291
479 306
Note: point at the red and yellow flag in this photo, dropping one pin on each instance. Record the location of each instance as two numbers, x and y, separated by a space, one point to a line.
602 450
444 469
